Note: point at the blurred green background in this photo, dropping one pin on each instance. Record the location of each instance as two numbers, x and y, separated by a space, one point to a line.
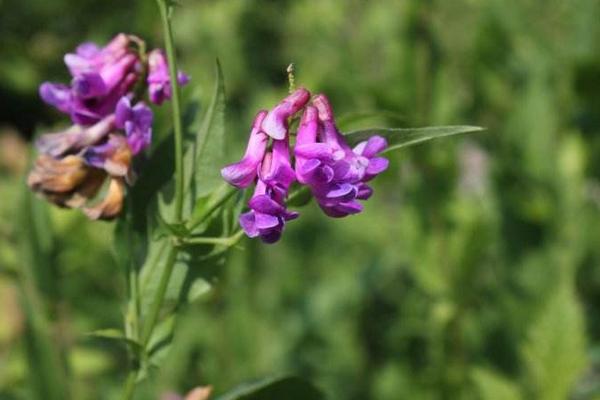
473 272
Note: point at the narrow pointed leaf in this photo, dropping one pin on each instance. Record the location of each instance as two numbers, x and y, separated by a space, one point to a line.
287 387
402 137
209 152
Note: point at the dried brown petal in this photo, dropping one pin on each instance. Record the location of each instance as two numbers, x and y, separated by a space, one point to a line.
112 203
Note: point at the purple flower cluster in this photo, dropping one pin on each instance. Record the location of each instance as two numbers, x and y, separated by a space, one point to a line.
111 124
336 174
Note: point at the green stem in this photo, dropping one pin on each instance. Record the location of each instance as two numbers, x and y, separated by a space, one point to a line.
195 221
165 14
227 241
152 318
130 385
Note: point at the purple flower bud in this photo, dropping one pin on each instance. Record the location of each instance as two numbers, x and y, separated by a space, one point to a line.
159 81
267 216
242 173
137 122
276 122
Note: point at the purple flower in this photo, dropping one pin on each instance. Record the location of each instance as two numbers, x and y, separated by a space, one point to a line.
276 122
101 76
242 173
335 173
159 82
137 122
267 215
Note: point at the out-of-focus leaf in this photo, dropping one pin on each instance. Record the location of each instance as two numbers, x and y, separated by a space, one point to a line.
402 137
299 197
88 362
492 386
198 288
287 387
554 354
209 148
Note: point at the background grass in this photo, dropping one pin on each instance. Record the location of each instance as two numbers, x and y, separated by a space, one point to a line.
472 273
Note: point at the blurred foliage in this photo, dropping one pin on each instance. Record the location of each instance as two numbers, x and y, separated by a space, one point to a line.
472 273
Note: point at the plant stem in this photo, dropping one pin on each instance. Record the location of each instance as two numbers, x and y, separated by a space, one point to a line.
227 241
195 221
130 385
151 319
176 109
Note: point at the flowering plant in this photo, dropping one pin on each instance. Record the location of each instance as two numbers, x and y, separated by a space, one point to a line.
177 220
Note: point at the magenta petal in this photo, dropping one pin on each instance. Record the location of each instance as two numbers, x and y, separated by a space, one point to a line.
271 236
57 95
87 49
321 151
342 209
89 85
364 192
248 224
240 174
344 191
377 165
265 221
290 215
375 145
341 169
309 126
123 112
265 204
276 124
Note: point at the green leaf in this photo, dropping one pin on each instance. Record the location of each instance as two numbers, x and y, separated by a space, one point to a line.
277 388
208 151
492 386
402 137
554 354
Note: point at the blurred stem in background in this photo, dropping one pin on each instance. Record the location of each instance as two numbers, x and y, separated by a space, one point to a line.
47 369
149 324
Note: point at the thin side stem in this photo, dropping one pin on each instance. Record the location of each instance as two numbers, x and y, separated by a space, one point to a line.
176 108
204 216
227 241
